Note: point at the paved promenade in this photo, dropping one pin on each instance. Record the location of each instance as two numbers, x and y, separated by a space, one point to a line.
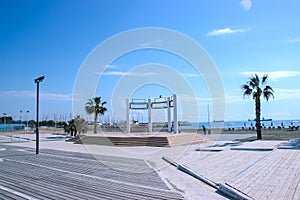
258 169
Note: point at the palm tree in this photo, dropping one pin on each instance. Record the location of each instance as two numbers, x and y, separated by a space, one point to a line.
70 127
80 124
76 125
95 106
256 88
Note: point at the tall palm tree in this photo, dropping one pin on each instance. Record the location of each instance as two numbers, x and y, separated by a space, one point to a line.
256 88
94 105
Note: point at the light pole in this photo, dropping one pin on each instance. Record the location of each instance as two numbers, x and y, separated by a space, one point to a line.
21 116
27 119
37 81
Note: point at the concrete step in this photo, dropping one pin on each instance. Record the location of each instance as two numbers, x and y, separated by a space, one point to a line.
156 141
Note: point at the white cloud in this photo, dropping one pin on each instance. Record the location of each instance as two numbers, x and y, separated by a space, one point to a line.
208 100
294 40
246 4
274 76
53 96
45 96
225 31
286 94
115 73
279 94
118 73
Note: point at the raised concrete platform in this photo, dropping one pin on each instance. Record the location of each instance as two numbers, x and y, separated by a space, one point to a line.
291 144
154 140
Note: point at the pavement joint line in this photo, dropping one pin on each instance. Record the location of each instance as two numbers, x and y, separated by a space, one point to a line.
17 193
79 174
250 165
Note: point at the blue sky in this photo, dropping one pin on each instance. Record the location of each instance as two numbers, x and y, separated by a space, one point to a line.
54 37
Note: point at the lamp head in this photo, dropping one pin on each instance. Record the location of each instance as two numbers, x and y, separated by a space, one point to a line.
39 79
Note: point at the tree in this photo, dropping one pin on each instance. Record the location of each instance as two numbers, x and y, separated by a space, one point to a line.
76 125
256 88
70 127
80 124
97 107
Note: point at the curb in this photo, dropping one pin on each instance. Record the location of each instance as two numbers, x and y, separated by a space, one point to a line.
251 149
221 187
191 173
232 192
199 177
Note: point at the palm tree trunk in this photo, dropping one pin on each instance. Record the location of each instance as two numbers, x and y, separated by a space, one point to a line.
257 113
95 122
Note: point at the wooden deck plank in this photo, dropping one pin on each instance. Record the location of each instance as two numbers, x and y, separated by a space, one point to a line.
47 176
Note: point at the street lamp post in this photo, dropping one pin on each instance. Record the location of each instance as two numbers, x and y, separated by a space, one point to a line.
27 120
21 116
37 81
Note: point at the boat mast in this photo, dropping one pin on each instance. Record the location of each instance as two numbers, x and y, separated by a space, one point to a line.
208 116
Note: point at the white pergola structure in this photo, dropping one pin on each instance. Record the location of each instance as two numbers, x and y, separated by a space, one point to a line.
157 103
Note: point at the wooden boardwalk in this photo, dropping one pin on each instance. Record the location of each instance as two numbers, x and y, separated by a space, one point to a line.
67 175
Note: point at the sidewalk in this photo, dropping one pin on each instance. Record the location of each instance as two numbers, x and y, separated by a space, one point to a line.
259 169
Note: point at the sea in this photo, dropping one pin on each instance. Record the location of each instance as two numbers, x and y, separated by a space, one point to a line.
242 124
199 125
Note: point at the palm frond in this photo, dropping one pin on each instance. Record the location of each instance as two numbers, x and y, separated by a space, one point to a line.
102 110
90 109
268 92
254 81
244 87
97 100
264 79
247 90
268 88
256 78
267 95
